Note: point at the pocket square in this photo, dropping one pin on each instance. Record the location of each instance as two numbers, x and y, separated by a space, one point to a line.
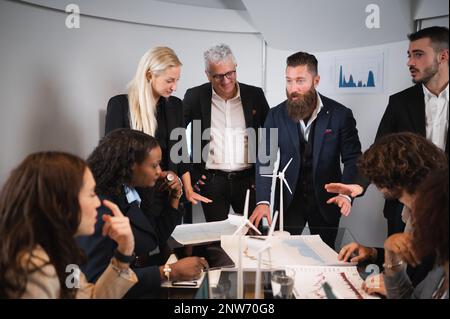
328 131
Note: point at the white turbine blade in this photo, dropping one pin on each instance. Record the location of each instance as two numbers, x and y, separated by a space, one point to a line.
287 165
239 230
247 199
287 185
270 175
272 227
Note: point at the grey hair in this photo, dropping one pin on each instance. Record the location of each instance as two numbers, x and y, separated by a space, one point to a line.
218 54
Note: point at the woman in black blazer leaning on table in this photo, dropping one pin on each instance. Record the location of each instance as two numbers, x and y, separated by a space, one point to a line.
124 160
150 108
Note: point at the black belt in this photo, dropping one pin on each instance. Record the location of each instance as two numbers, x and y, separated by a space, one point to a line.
232 175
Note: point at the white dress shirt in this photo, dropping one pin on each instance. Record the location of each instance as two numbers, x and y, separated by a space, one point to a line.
307 128
132 195
436 116
228 146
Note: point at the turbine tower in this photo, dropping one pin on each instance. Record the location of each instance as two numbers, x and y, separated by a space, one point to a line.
282 179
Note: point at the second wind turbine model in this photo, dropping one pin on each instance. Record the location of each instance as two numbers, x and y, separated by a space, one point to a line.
282 179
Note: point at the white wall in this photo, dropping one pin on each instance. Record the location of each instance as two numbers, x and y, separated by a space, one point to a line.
55 82
425 9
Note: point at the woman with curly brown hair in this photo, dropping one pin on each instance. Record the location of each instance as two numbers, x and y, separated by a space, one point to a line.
397 164
126 164
47 201
429 236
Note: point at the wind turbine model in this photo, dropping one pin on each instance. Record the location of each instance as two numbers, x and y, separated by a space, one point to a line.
245 221
262 248
240 232
282 179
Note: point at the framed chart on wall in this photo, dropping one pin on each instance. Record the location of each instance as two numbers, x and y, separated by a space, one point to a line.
359 73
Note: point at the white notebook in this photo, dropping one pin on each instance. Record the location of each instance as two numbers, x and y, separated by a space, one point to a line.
345 282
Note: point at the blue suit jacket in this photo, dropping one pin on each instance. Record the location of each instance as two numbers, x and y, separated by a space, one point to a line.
151 231
335 139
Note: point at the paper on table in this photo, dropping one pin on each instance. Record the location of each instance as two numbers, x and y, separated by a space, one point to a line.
345 282
293 250
189 234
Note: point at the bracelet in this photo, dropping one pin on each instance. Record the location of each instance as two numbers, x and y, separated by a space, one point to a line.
178 194
167 270
123 258
390 266
124 273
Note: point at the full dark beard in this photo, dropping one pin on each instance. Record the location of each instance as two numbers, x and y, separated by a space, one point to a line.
303 107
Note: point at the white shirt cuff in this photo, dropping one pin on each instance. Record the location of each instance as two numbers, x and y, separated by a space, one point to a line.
346 197
263 202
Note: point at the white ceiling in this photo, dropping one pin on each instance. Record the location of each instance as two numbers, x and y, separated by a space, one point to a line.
326 25
315 26
218 4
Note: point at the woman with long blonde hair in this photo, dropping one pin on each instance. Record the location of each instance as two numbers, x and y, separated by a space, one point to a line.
150 107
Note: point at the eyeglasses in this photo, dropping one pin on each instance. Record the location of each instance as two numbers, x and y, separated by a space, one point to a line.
219 77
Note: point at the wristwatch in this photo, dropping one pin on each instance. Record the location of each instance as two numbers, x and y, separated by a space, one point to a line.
124 258
167 270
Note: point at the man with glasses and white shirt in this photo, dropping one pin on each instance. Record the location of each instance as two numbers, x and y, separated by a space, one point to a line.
230 114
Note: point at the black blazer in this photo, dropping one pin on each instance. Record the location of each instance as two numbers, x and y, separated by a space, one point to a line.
404 113
150 236
197 106
118 116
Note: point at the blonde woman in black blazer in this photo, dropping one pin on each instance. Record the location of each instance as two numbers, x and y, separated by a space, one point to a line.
149 107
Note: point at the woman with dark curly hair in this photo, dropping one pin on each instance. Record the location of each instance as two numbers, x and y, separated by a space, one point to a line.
123 161
429 236
47 201
397 164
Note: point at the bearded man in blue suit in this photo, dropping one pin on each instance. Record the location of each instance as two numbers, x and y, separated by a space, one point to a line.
317 133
